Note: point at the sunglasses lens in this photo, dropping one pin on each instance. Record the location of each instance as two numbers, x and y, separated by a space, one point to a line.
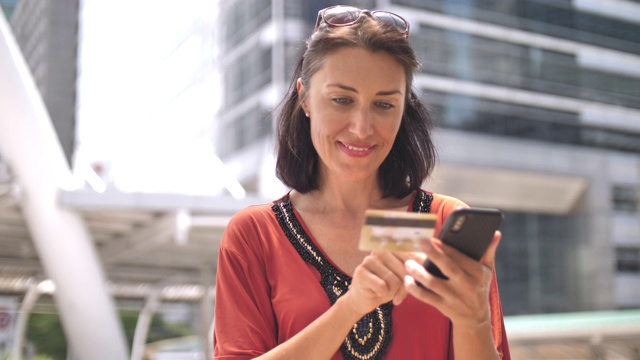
341 15
348 15
391 19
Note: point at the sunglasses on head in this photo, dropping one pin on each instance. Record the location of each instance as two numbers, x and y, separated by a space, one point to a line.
340 15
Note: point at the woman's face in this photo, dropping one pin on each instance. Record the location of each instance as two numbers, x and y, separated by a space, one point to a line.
355 104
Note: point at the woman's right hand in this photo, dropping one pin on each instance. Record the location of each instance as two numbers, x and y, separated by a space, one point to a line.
464 297
377 280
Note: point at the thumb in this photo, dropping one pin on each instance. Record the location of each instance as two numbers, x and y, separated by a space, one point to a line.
400 296
489 257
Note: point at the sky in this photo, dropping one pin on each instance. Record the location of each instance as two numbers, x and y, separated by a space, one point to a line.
148 92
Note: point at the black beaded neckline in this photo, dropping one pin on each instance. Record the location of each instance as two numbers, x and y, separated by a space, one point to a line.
372 334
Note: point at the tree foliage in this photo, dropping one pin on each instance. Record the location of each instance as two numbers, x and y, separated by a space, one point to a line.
46 335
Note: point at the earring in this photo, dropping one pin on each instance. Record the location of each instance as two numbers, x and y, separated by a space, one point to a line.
306 114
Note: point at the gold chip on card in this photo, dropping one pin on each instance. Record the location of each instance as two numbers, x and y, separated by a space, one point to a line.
395 230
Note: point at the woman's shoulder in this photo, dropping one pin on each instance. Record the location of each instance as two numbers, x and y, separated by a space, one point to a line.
444 204
253 221
254 213
248 229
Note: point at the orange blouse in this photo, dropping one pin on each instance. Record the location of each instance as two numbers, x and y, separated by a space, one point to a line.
272 283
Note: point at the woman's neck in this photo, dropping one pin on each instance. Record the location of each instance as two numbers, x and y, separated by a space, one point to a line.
347 197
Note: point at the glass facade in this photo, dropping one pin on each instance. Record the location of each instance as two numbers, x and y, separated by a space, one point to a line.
538 73
7 7
540 262
556 18
466 57
244 19
47 36
625 198
466 113
248 129
529 68
537 263
249 73
628 260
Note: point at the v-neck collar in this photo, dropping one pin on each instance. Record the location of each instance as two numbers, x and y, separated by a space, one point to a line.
372 333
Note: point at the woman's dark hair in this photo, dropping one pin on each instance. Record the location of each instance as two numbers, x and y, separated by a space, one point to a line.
412 156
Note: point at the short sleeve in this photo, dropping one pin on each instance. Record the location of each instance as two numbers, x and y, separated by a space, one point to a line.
244 321
497 321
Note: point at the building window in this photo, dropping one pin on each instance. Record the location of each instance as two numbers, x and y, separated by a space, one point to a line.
536 263
628 259
625 198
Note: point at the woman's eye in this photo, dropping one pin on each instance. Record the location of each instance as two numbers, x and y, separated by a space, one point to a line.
341 100
384 105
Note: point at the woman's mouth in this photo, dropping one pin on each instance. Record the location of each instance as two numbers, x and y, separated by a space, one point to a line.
357 150
354 148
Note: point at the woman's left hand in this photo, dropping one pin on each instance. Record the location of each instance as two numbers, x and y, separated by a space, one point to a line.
464 297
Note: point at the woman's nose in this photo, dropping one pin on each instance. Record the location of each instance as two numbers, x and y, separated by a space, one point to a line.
361 123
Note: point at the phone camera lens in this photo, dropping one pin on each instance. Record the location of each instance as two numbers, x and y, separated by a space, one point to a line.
458 224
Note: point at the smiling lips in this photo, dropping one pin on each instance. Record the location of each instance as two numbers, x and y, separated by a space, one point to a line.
356 150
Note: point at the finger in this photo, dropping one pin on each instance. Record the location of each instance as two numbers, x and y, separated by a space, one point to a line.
489 256
393 262
368 283
417 271
418 256
455 263
445 257
421 276
385 277
406 255
419 292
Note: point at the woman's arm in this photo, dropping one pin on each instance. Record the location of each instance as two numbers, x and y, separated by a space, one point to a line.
245 324
321 339
379 279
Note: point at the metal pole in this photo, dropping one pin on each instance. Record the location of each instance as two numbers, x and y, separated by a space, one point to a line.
21 324
597 351
206 312
142 325
30 146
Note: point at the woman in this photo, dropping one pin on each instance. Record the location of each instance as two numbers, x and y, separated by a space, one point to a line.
352 136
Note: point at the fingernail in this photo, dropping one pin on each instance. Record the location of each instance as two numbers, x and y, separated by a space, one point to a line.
409 263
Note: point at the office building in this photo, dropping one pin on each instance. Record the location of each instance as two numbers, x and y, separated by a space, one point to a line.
537 105
7 7
47 32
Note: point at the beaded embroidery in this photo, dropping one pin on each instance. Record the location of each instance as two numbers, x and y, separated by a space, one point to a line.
371 335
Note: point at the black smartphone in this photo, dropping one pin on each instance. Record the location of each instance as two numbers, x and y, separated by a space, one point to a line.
470 230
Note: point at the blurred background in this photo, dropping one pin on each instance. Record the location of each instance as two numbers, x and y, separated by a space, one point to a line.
131 130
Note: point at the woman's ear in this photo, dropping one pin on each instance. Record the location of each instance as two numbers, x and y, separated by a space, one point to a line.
301 95
299 86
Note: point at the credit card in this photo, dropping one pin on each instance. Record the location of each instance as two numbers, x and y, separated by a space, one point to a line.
395 230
